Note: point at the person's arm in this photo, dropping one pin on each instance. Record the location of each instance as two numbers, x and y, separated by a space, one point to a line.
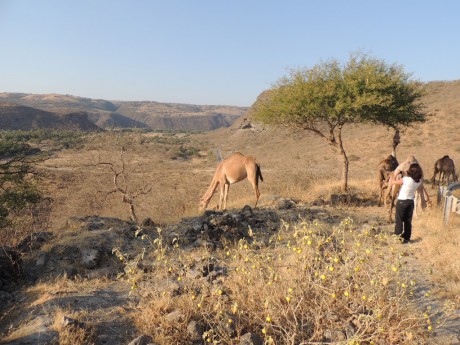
397 180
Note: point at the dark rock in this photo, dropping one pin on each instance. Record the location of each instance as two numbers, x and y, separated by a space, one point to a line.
101 272
148 222
70 322
246 211
334 336
194 331
174 316
211 213
90 257
250 339
34 241
5 298
10 266
285 204
142 340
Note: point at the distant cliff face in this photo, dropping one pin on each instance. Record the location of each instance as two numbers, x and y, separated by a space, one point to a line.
17 117
119 114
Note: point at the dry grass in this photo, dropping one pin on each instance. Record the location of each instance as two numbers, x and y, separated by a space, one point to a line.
72 334
440 247
311 284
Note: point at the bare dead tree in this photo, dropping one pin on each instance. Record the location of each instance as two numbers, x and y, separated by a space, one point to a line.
121 185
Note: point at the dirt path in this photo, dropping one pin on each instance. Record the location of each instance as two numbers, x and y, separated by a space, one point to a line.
428 294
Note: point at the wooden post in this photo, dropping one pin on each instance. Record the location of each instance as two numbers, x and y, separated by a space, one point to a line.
447 208
442 190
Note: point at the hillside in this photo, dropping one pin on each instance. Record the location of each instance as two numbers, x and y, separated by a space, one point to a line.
206 271
121 114
17 117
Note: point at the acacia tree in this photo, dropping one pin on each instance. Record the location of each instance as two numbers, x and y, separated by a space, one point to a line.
17 172
330 95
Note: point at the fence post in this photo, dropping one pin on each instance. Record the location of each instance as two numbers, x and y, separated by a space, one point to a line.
441 194
447 208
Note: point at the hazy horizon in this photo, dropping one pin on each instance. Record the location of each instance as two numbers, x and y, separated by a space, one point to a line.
211 53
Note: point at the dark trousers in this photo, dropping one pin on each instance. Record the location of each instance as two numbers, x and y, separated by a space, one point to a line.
403 218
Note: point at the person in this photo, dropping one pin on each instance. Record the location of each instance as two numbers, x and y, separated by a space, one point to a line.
421 195
404 166
405 204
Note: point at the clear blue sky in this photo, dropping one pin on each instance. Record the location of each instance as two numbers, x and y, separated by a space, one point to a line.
212 51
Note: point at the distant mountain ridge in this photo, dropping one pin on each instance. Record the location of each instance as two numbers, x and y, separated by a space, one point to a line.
126 114
18 117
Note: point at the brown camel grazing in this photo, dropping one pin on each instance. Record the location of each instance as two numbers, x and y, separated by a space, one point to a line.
233 169
384 168
445 168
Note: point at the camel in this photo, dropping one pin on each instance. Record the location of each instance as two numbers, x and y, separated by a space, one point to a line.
404 166
231 170
445 168
391 194
384 168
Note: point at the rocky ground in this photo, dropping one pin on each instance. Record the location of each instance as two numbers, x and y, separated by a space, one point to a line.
82 252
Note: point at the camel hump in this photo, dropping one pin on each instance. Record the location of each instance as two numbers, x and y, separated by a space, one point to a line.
445 157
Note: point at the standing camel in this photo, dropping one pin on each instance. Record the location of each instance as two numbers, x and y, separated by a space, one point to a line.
391 194
384 168
445 168
233 169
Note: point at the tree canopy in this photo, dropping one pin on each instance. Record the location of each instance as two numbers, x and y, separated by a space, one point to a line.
17 188
329 95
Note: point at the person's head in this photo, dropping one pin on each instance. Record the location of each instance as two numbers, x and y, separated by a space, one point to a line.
415 171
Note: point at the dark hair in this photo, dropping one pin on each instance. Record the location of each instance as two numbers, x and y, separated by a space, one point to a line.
415 171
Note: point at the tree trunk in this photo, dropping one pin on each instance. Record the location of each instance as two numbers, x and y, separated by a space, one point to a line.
342 152
396 141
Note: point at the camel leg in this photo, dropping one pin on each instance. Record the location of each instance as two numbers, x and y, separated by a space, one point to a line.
382 191
386 196
221 196
255 185
392 205
226 189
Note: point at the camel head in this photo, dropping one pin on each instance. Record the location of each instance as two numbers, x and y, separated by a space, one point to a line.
390 163
203 204
411 159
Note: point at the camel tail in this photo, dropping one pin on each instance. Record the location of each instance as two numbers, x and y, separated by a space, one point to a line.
259 172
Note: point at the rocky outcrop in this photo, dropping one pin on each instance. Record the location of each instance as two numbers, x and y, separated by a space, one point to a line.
84 248
17 117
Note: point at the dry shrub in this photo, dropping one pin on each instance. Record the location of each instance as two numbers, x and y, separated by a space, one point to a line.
440 247
359 193
310 284
77 333
33 218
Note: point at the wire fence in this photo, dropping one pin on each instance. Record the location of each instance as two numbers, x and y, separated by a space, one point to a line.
450 203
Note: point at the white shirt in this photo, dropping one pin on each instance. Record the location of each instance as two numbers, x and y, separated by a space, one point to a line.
408 188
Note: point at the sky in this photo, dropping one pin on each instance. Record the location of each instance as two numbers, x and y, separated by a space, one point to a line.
212 52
